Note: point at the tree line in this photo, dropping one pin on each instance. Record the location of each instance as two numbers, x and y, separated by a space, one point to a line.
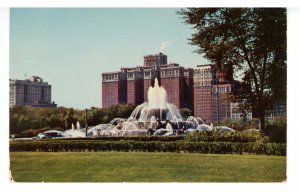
27 118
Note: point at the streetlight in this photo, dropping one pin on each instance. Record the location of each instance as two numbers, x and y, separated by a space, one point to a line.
86 126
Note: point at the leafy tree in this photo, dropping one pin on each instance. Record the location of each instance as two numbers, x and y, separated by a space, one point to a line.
69 119
53 121
250 42
185 113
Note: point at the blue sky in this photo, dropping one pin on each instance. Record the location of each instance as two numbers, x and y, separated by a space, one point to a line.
70 48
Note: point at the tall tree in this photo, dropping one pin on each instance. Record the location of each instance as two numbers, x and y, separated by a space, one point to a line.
250 42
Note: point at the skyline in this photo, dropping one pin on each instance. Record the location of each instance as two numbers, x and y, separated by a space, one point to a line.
71 48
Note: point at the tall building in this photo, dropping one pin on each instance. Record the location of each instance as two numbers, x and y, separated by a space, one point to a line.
204 90
150 73
30 92
114 88
212 91
188 89
204 78
132 86
172 79
135 85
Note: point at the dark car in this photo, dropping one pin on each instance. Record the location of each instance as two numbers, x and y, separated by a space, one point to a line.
49 134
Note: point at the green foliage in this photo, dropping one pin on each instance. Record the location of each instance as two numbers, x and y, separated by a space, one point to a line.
246 41
154 146
131 138
240 125
276 129
213 136
27 121
185 113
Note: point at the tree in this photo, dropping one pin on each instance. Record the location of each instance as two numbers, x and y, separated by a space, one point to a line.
250 42
185 113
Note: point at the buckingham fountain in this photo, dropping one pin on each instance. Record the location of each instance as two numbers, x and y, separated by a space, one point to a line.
154 117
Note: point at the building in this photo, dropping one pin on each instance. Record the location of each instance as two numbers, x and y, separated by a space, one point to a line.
238 113
135 85
172 79
114 88
204 78
155 60
221 102
277 109
130 85
212 92
280 108
204 90
150 73
30 92
188 90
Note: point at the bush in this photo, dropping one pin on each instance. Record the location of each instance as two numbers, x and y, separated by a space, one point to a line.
154 146
132 138
210 136
276 129
240 125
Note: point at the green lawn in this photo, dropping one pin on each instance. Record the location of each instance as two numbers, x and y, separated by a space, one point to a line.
145 167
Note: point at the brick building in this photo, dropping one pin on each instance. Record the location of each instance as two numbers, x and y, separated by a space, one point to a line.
150 73
188 90
114 88
212 91
172 79
203 90
134 83
204 78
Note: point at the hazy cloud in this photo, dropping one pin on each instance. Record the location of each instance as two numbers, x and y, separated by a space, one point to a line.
165 45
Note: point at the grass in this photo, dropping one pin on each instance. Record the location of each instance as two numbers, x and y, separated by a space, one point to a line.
145 167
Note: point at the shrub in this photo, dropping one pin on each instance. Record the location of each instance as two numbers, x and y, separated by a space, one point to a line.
132 138
276 129
210 136
153 146
240 125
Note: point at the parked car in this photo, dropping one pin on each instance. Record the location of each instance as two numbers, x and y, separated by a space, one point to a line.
49 134
41 136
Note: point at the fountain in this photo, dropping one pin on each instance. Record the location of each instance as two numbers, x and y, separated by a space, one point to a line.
78 127
156 116
74 132
157 109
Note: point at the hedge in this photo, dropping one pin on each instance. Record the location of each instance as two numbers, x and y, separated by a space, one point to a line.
154 146
130 138
196 136
210 136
